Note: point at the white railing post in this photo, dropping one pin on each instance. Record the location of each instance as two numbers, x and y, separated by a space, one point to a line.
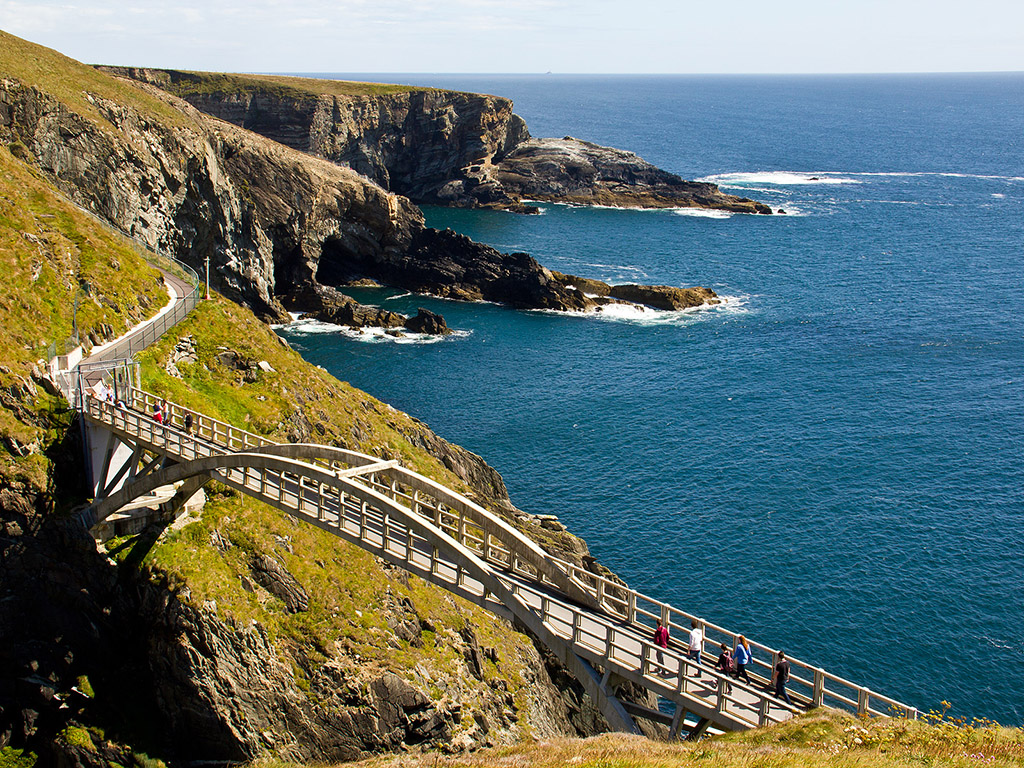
818 694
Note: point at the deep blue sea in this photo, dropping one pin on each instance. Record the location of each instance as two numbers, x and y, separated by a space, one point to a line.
832 461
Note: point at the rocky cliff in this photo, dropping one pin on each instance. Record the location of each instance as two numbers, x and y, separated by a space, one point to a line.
436 146
274 222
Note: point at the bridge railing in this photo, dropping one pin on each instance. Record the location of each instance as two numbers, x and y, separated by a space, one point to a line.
808 684
380 524
470 524
461 519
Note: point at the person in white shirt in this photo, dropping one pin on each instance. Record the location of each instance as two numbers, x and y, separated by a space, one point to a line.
696 643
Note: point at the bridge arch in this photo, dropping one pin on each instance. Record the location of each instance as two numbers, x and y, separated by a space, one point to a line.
279 480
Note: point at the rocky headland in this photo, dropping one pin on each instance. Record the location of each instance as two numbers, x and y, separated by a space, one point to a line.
241 634
436 146
277 224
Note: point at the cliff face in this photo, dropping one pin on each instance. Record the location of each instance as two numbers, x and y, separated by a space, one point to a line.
415 142
259 212
435 146
273 222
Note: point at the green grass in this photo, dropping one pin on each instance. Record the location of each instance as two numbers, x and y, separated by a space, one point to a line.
277 404
71 81
16 758
184 84
78 737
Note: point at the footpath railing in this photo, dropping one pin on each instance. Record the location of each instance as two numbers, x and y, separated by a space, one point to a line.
150 332
342 504
625 635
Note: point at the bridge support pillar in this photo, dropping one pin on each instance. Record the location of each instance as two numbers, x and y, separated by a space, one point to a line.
110 461
603 697
699 729
677 722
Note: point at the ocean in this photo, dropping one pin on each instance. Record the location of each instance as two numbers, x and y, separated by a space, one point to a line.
832 460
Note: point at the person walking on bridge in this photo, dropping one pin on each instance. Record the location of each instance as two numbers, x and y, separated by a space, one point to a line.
743 656
781 677
661 640
696 643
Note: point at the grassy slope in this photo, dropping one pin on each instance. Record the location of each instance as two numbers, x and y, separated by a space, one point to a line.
70 82
277 404
815 740
48 249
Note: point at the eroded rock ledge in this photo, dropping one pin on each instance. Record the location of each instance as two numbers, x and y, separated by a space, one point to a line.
436 146
450 265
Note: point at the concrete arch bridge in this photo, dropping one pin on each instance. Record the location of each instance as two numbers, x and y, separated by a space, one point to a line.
600 629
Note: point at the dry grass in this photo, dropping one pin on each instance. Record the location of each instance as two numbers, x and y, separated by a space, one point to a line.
815 740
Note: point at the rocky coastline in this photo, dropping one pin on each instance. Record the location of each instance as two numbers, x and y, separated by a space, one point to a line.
435 146
99 652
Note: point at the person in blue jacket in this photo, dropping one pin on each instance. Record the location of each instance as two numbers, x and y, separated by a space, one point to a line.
742 655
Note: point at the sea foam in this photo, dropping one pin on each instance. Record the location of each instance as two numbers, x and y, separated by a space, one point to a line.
779 178
702 213
635 314
301 326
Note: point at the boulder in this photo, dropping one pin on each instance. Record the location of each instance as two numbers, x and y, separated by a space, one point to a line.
426 321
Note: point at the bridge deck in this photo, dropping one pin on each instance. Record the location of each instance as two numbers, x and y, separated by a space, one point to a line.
443 537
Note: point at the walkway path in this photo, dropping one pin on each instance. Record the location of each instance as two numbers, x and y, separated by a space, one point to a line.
598 627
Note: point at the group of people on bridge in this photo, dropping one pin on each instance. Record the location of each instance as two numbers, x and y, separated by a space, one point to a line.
731 662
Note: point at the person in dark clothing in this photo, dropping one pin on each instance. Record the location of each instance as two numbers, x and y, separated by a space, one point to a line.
726 664
781 677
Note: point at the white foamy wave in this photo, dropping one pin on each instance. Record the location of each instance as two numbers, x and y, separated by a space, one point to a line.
307 326
790 210
941 174
702 213
381 335
619 267
779 178
765 190
634 314
998 194
302 326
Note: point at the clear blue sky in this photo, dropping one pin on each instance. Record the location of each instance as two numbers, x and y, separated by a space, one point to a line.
600 36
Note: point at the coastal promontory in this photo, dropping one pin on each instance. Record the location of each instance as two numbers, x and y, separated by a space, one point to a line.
436 146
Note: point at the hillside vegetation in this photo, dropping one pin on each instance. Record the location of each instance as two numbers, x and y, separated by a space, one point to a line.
816 740
71 82
185 84
53 256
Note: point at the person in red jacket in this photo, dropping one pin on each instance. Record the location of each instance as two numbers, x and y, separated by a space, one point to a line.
661 640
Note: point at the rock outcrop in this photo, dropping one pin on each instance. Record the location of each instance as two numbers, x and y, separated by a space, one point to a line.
572 171
274 222
435 146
